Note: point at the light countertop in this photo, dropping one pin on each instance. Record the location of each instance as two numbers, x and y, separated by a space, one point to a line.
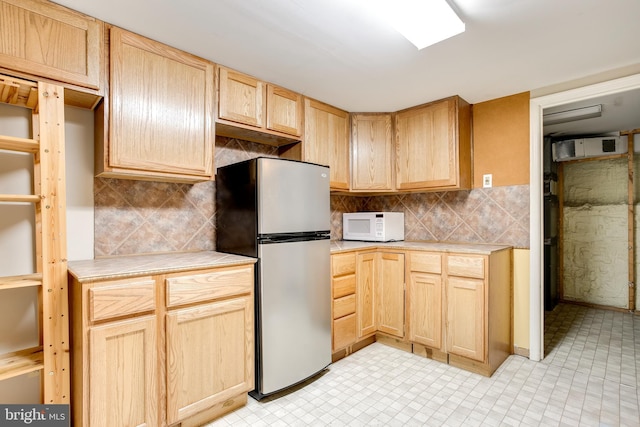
338 246
135 265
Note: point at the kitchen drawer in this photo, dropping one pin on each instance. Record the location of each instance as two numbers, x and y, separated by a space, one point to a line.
344 306
342 264
425 262
466 266
343 286
344 331
216 284
121 298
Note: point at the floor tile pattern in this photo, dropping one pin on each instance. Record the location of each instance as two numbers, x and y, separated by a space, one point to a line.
590 377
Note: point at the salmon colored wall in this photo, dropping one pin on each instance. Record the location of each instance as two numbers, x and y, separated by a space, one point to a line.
501 140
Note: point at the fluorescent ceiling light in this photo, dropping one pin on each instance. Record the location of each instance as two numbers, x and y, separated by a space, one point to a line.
422 22
572 115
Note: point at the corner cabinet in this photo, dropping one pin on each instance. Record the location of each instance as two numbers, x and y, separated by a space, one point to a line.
390 299
44 39
450 304
433 146
159 113
365 294
380 293
162 349
372 152
326 140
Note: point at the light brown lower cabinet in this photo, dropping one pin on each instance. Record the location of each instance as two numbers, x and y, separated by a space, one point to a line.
425 299
465 316
162 350
365 293
390 293
375 296
456 309
344 331
424 294
123 365
343 292
217 335
479 301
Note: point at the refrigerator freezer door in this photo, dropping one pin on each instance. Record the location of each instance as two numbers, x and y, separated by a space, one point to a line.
292 197
294 313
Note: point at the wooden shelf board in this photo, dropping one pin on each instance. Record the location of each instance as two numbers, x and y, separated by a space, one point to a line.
19 92
24 198
21 362
23 281
19 144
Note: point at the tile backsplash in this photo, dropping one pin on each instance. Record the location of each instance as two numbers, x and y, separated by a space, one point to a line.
133 217
483 215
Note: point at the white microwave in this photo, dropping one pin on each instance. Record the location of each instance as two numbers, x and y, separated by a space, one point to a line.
373 226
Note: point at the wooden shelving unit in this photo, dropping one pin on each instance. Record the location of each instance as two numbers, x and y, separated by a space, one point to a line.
51 357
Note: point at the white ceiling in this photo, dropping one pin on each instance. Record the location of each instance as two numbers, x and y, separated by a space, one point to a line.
620 112
328 50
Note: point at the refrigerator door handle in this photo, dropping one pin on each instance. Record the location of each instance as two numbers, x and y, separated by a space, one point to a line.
282 238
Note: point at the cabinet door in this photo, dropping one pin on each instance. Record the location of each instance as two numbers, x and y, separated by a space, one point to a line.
426 146
372 151
390 294
365 294
284 110
424 299
466 318
162 103
209 355
44 39
326 140
241 97
123 373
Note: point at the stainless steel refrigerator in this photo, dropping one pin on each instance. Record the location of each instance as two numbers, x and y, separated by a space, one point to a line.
278 211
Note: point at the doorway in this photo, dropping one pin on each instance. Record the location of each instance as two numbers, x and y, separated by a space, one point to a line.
537 108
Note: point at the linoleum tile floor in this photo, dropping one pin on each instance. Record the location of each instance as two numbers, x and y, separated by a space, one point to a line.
589 377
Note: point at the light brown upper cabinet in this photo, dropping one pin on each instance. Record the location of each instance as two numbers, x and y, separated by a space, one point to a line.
284 110
160 113
46 40
372 151
241 98
433 146
257 111
326 140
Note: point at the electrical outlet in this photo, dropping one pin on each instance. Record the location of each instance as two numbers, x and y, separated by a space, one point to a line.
487 180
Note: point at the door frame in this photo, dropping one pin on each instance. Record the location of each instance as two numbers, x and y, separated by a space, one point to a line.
536 273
